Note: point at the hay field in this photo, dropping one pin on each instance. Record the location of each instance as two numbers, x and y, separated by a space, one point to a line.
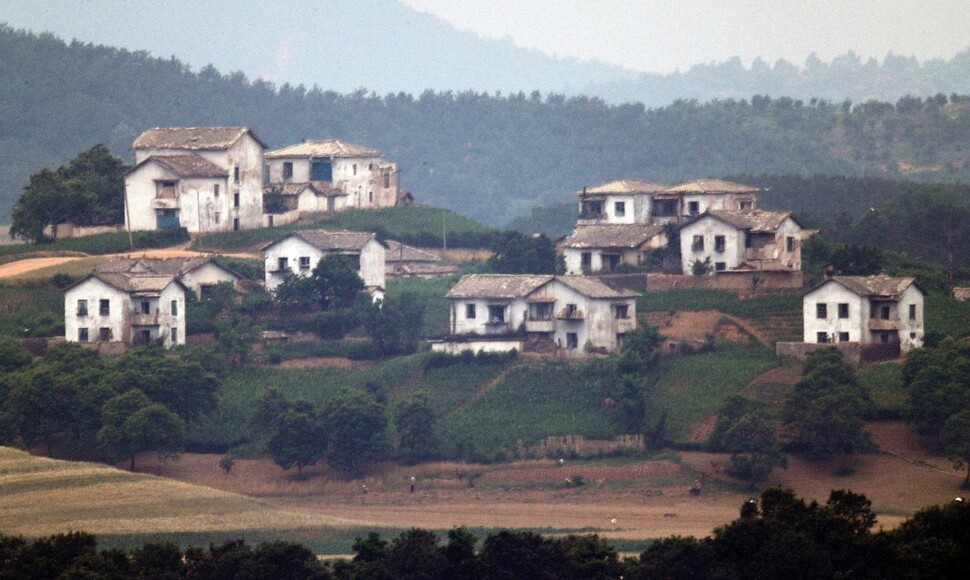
40 496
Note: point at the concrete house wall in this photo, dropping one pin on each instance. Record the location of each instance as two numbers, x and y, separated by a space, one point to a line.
125 318
515 310
709 228
208 274
361 178
371 258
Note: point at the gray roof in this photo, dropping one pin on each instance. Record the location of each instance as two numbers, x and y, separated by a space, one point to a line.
611 235
137 284
873 286
177 266
497 285
398 252
323 148
754 220
623 186
192 138
522 285
334 241
190 165
711 186
593 288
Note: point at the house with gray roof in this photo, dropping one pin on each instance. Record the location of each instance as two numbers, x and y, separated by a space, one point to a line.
572 316
345 175
403 261
125 308
299 253
205 179
604 247
198 274
866 310
742 240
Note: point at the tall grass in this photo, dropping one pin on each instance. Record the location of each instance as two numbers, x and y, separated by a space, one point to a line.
431 292
113 243
947 315
884 383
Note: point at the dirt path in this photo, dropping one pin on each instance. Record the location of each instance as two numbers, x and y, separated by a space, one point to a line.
19 267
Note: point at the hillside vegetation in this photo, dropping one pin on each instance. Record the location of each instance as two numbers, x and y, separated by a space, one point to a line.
488 156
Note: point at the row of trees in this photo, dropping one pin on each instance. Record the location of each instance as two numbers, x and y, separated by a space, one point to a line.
347 431
776 536
74 401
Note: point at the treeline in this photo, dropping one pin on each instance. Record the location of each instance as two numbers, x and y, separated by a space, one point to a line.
776 536
488 156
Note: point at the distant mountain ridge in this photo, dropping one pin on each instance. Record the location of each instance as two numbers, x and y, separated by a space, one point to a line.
487 156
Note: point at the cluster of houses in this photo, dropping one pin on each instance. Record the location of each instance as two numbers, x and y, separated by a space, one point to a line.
217 179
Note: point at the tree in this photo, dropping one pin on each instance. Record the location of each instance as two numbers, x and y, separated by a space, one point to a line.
46 202
394 325
356 429
955 438
415 421
337 281
298 440
938 380
13 355
699 268
754 449
517 253
132 423
827 406
236 335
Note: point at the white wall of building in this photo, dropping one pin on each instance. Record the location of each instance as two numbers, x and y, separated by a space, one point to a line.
124 318
293 248
858 325
709 228
208 274
361 178
514 314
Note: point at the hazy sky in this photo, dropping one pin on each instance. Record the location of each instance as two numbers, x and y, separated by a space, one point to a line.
664 35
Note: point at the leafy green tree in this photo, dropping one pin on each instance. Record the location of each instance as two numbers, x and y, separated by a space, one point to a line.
13 355
699 268
356 429
298 440
337 281
235 335
755 451
639 352
132 423
46 202
955 438
415 421
183 386
296 292
517 253
938 380
394 325
827 406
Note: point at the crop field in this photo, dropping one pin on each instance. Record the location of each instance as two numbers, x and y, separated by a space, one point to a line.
756 307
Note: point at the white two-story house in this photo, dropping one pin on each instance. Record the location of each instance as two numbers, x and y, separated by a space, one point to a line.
604 247
301 251
125 307
624 201
865 309
205 179
343 176
751 239
574 315
200 275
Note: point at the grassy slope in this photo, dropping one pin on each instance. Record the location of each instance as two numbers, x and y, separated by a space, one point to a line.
43 496
392 221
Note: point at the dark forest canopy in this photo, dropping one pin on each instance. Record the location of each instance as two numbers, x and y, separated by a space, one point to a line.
491 157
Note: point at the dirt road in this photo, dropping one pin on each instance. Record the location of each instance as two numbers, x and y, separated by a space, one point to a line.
19 267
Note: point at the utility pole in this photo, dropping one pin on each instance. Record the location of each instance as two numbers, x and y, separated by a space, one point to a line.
131 244
444 233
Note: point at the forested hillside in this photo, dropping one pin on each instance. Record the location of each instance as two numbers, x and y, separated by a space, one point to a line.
491 157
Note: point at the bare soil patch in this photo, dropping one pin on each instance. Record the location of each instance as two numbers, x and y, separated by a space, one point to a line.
12 269
325 361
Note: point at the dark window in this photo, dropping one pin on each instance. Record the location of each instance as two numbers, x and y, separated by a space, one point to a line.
572 340
622 311
586 260
470 311
698 245
912 312
873 310
219 218
387 180
883 337
821 310
321 170
720 266
665 207
304 263
235 224
693 207
843 337
235 200
82 335
610 262
747 240
719 243
619 208
790 243
215 190
843 309
104 334
82 307
821 338
104 307
496 314
746 205
542 311
175 307
175 334
370 196
282 264
355 169
884 311
235 174
287 169
570 310
146 307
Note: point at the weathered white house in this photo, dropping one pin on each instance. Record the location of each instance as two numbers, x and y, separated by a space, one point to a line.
604 247
750 239
343 175
301 251
630 201
200 275
866 310
403 261
574 315
125 307
205 179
